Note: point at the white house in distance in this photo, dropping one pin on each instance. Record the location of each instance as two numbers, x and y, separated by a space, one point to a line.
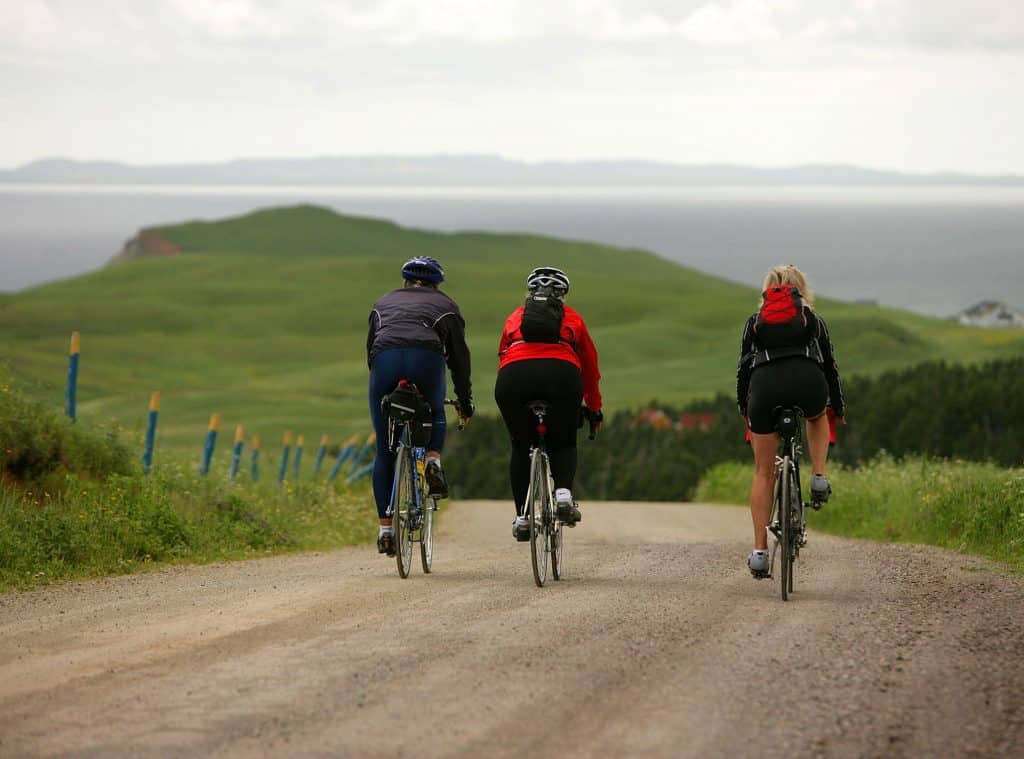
990 313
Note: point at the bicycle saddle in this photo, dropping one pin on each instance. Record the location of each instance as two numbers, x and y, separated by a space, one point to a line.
538 407
787 419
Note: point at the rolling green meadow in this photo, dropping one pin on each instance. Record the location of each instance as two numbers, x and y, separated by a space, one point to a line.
263 318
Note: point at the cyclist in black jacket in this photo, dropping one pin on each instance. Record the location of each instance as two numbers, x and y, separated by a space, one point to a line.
798 370
413 332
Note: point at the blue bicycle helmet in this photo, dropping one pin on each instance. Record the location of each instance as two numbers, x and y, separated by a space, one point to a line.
424 269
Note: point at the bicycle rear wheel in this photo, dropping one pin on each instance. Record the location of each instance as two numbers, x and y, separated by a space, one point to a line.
405 506
538 513
785 533
427 535
556 541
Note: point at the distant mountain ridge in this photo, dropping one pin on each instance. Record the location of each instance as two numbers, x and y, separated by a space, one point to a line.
474 170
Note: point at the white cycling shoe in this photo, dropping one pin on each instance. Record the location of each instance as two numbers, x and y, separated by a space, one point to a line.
758 563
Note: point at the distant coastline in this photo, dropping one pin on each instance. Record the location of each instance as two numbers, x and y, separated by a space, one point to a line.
476 171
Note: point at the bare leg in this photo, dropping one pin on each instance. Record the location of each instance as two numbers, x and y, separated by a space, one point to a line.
761 490
817 441
385 522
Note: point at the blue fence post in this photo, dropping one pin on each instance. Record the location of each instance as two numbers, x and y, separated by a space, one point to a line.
359 473
344 455
211 441
320 453
298 454
255 458
284 457
154 412
71 390
371 441
236 453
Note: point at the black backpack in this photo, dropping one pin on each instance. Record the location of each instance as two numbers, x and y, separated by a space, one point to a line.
542 318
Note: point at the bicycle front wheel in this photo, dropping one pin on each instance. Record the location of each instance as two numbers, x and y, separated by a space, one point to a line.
427 535
785 532
538 513
405 508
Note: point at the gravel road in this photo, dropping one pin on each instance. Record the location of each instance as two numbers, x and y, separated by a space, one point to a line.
658 643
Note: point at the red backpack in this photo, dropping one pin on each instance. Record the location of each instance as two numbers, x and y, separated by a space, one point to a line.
781 322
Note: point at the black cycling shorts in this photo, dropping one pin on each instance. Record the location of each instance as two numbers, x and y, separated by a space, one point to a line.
795 381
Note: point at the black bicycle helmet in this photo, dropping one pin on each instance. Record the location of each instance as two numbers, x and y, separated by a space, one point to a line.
548 277
424 269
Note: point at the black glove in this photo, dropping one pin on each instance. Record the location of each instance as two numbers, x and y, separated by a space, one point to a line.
465 409
596 417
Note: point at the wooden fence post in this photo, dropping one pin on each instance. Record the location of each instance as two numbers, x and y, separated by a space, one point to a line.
211 441
71 390
284 457
154 411
236 454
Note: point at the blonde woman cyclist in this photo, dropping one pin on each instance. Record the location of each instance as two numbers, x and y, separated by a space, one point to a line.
786 359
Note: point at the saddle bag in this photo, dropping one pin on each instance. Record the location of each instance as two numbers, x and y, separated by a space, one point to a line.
405 405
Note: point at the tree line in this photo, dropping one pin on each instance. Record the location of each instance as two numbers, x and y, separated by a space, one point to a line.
975 413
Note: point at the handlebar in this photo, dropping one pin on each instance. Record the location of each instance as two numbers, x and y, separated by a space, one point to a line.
455 403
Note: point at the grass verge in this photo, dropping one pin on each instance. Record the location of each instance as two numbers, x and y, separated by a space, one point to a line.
74 504
968 507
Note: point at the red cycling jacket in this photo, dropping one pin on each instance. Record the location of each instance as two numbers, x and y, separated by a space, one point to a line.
575 347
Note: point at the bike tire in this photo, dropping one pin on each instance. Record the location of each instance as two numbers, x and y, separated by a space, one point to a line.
427 536
785 536
538 510
557 543
405 504
796 529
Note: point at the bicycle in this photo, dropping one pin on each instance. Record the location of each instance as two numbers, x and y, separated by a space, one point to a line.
546 533
788 521
411 509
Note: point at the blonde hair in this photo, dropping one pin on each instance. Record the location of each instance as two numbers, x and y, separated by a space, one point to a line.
787 274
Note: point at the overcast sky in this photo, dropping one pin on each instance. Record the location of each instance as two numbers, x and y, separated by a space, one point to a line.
918 85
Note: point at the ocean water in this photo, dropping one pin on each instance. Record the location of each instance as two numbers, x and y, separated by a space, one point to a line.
932 250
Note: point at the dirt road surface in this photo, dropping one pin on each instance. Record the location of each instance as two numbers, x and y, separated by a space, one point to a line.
658 643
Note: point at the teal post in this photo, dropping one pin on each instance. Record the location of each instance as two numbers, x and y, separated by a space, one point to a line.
359 473
344 455
255 458
154 412
284 457
236 453
71 390
211 441
298 455
320 453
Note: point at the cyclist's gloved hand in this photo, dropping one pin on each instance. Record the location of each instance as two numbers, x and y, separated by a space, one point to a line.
595 417
465 409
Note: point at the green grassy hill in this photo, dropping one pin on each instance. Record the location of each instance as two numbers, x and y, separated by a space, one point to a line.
263 318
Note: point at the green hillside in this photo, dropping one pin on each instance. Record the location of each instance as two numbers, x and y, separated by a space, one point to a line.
263 318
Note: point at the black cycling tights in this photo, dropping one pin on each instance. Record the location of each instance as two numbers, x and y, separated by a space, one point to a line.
544 379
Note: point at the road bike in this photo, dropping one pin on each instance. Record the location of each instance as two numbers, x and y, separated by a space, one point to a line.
788 522
547 536
411 508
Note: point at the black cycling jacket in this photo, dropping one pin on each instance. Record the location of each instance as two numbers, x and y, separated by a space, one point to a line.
422 317
818 348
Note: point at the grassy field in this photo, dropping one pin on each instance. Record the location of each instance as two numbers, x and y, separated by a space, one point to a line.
263 318
966 506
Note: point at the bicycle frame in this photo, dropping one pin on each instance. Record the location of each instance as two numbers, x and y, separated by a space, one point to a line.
545 529
788 529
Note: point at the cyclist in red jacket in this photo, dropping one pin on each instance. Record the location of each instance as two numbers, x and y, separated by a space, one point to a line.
546 354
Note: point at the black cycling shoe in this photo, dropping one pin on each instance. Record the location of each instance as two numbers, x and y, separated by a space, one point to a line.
386 543
437 483
568 513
